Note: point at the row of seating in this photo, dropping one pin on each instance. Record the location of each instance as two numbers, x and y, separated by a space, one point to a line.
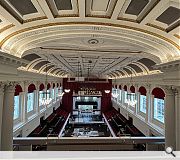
120 125
51 125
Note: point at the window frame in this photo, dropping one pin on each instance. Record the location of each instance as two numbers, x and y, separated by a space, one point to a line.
30 113
153 115
140 104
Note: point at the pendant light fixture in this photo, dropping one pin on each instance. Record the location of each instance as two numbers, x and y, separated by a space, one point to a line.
115 95
131 96
46 99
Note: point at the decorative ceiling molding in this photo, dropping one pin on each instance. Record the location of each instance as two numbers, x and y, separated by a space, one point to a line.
81 31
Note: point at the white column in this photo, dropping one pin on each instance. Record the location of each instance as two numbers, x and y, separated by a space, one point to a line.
37 107
24 106
138 103
170 134
136 98
148 105
7 119
1 108
177 111
55 93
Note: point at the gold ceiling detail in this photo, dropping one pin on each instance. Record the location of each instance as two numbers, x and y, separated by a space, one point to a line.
34 19
157 27
177 36
6 27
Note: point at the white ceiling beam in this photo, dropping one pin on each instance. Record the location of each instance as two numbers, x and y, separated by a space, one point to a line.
82 8
9 16
117 9
154 12
44 6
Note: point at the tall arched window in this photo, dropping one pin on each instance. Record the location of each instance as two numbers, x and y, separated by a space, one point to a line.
125 94
53 91
17 104
133 96
41 96
142 103
57 90
158 101
120 93
48 91
30 98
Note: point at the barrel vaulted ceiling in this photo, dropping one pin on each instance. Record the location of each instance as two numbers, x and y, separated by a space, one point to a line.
102 38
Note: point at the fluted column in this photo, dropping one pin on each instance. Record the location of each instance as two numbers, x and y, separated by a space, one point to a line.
177 111
170 134
7 119
1 108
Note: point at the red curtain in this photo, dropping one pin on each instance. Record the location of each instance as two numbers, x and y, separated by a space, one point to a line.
132 89
31 88
158 93
142 90
18 89
41 87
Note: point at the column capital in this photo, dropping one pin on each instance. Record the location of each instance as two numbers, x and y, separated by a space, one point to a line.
2 84
10 86
169 90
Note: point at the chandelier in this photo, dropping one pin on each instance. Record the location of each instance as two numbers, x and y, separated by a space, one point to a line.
46 99
115 95
60 94
131 96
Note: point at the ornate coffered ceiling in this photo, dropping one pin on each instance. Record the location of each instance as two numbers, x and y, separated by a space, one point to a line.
115 38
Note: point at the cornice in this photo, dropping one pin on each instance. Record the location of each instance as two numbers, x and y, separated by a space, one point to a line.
12 60
169 66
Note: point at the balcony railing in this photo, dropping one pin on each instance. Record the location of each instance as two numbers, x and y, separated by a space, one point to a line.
89 144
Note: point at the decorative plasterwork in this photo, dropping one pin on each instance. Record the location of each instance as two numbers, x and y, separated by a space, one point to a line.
112 31
11 60
20 34
169 66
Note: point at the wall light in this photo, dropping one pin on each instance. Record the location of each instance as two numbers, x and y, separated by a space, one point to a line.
67 90
107 91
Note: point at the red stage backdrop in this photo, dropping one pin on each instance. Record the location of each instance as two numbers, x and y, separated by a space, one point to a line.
100 85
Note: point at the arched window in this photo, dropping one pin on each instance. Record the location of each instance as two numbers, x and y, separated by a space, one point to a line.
113 89
132 95
142 103
158 101
120 93
57 90
41 96
48 91
17 105
125 94
53 91
30 98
